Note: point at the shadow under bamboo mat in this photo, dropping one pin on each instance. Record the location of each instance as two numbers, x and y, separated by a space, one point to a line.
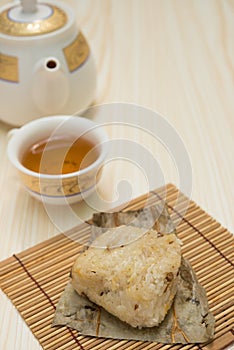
35 278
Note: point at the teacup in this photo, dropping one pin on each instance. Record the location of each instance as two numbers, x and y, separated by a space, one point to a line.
58 188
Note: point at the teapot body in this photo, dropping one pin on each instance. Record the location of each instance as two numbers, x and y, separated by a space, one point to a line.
47 73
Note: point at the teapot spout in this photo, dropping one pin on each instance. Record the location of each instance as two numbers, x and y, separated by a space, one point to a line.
50 86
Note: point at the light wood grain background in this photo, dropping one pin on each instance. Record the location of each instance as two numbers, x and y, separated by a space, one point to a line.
171 56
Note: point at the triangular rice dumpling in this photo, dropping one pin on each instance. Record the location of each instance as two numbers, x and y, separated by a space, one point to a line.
131 283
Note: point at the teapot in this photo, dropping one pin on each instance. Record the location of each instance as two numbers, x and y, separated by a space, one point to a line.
46 65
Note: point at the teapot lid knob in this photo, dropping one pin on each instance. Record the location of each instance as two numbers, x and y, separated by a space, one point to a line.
29 6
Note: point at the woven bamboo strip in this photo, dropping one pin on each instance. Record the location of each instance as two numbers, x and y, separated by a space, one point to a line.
192 208
216 269
216 308
109 344
214 286
53 290
67 346
58 342
58 246
22 281
37 250
226 315
44 322
189 232
57 337
197 249
61 249
49 332
204 260
217 231
27 311
223 233
28 289
14 268
225 306
227 309
230 255
207 278
225 288
203 270
132 345
219 242
139 204
200 223
199 264
46 331
88 342
193 219
38 317
219 328
210 260
41 300
58 333
228 250
220 343
65 342
186 232
48 280
223 327
11 270
71 347
178 202
44 318
227 330
182 222
127 345
220 280
193 215
203 225
55 264
183 212
214 265
37 331
39 297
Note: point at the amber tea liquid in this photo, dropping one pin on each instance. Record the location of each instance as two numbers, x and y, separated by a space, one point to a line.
59 155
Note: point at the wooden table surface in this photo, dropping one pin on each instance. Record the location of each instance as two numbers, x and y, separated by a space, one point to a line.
172 57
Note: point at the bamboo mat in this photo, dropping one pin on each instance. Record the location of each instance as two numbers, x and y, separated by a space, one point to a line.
35 278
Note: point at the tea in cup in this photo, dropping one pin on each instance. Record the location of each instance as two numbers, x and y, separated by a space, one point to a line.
59 158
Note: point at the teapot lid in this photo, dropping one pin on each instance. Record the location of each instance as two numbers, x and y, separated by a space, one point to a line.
30 18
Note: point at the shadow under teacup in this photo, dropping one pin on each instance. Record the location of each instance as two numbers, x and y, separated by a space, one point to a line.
59 158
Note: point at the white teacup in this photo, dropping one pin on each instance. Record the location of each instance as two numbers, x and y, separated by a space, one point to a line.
60 188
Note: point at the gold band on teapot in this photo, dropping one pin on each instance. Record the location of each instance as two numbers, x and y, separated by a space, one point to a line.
55 21
77 52
9 68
